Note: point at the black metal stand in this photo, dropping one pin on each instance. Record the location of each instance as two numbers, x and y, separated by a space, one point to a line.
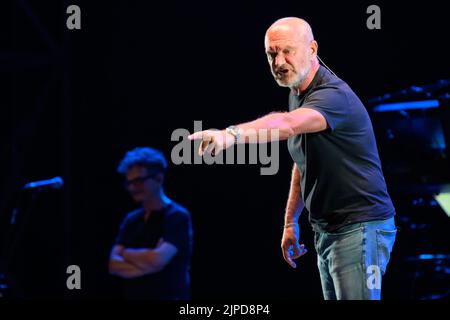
18 222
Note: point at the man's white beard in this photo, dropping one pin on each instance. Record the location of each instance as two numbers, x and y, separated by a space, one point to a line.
302 77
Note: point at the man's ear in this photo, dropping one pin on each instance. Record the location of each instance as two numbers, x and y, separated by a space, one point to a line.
314 47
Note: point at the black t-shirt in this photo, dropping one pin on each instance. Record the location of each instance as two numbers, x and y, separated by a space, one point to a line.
173 224
341 177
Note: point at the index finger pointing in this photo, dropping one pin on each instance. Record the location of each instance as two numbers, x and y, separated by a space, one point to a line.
196 135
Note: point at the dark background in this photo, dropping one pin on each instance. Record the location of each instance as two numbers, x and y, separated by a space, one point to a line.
73 101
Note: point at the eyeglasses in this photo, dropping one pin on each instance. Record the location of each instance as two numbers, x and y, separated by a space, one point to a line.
139 181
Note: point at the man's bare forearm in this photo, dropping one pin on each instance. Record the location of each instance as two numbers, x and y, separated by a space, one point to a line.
119 267
145 259
295 204
271 127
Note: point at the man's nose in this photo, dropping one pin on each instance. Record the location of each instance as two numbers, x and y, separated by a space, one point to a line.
279 60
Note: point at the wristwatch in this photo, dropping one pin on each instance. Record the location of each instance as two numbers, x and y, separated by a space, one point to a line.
234 131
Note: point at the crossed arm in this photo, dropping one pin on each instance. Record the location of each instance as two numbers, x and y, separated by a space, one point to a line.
131 263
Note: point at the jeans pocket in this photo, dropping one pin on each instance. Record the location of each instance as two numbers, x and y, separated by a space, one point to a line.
385 243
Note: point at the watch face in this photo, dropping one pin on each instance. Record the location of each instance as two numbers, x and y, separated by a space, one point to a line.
232 130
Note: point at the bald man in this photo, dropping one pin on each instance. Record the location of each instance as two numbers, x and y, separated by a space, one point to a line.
337 173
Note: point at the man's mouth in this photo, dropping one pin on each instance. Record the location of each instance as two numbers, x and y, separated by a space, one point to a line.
281 72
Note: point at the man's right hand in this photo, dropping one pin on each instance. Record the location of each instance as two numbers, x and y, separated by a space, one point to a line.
290 246
212 141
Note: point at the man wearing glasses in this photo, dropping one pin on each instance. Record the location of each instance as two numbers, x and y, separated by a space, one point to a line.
153 249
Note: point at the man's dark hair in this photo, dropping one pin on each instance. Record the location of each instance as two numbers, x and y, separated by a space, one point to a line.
150 158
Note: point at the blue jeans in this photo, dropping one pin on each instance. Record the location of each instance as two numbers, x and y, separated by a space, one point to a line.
353 259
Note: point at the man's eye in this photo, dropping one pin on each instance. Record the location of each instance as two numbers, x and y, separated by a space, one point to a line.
286 51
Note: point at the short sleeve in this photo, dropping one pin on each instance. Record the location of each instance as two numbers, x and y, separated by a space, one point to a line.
178 230
331 102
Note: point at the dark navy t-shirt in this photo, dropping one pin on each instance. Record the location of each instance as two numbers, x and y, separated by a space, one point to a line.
341 177
173 224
